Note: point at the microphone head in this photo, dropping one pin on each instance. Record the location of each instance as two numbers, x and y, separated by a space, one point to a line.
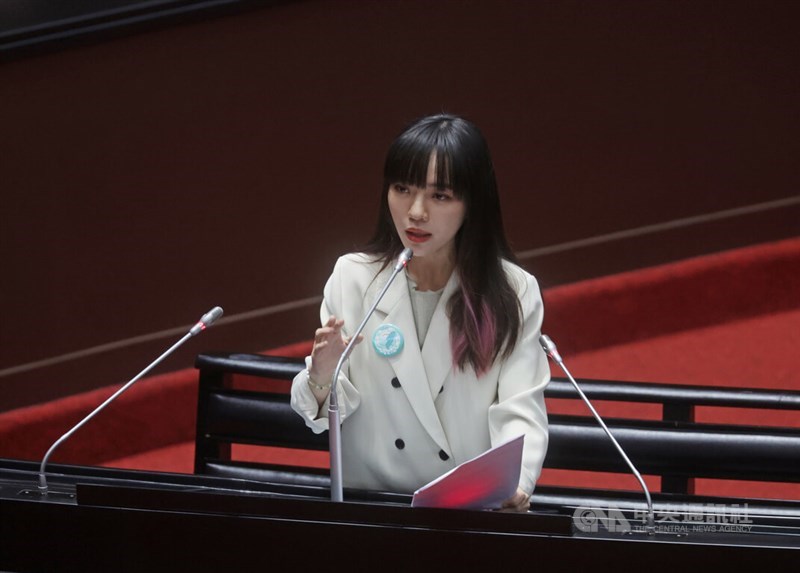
206 320
403 259
212 316
549 347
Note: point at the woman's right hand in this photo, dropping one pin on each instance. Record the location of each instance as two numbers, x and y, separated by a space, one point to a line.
329 344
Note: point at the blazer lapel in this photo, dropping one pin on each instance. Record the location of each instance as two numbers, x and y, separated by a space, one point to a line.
436 351
409 365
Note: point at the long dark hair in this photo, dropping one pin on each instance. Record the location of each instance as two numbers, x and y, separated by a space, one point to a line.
485 313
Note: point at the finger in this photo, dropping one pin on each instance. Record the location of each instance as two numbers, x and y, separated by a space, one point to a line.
324 332
519 499
329 323
349 338
512 501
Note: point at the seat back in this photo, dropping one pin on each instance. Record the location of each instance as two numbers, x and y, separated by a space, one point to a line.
676 447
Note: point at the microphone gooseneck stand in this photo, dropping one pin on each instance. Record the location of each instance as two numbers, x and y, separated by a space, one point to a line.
205 321
334 419
550 349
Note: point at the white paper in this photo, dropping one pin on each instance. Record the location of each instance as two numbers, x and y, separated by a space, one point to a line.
484 482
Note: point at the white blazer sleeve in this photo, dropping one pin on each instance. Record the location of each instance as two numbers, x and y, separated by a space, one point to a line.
303 400
520 407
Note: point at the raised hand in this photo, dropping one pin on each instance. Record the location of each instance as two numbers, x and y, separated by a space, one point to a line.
328 347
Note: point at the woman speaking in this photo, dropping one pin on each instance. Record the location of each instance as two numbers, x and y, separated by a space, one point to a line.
450 363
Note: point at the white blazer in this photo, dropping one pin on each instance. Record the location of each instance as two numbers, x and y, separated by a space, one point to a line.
411 417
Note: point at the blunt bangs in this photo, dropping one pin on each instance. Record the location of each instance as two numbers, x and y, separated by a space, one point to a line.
408 157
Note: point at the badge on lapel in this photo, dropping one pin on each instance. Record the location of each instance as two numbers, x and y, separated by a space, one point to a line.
387 340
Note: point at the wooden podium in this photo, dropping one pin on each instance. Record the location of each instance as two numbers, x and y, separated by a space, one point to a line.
98 519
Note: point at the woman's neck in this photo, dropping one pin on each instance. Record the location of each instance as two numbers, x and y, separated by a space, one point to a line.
430 274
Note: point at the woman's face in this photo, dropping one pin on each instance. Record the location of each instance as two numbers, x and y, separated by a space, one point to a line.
427 219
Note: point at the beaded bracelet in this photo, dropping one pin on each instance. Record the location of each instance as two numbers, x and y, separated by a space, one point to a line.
315 385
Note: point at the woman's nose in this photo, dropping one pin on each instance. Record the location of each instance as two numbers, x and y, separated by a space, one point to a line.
417 212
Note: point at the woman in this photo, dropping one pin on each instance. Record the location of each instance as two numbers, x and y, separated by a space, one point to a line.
463 369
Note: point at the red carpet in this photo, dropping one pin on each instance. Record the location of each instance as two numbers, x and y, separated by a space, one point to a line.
730 319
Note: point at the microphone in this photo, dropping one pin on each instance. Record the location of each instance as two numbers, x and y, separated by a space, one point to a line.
402 261
550 349
334 422
205 321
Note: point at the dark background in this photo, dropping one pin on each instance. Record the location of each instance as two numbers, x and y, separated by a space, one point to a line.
156 166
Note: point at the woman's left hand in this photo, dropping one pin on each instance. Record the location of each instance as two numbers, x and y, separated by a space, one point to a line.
519 502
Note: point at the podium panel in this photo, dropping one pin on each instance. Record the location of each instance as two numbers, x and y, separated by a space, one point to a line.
98 519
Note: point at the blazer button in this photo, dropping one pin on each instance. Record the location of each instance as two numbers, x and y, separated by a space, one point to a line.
399 444
395 383
443 455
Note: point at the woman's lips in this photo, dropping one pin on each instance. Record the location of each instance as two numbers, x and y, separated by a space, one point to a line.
417 235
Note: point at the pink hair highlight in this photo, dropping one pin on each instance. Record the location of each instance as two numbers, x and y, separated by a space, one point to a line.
478 333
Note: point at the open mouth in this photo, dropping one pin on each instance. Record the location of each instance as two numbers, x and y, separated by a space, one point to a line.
417 236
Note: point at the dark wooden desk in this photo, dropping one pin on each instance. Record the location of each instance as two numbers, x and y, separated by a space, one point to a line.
111 520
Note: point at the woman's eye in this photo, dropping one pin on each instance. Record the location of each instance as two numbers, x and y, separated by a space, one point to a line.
400 188
441 196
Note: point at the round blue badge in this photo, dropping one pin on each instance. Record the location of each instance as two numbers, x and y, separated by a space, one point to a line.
387 340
